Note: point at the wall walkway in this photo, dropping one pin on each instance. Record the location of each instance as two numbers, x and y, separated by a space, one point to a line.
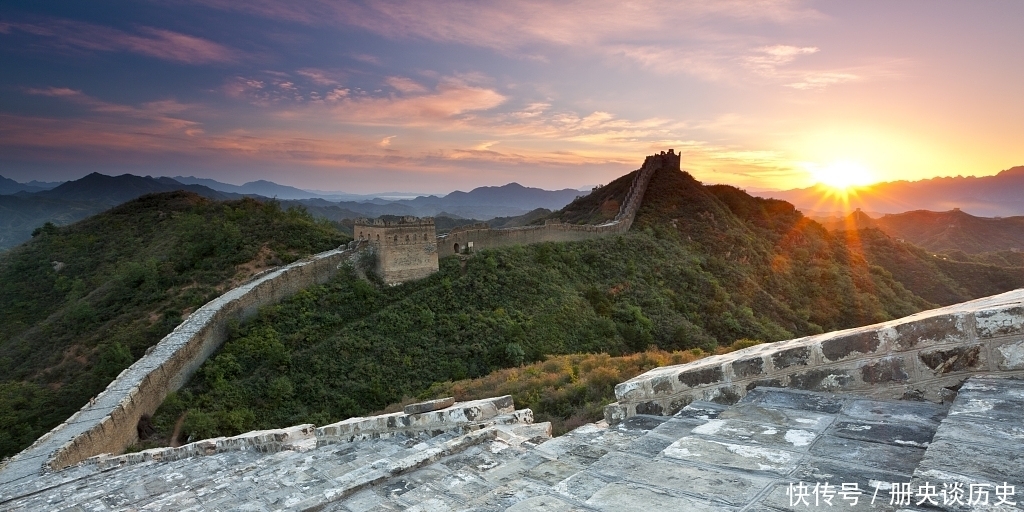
108 424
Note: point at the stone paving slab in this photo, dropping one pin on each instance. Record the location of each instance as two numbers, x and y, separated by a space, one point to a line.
979 444
741 457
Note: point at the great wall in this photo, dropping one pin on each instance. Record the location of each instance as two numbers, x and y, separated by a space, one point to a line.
927 398
404 250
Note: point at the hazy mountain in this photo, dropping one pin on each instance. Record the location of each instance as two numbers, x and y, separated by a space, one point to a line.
114 190
986 196
9 186
22 213
510 200
954 230
260 188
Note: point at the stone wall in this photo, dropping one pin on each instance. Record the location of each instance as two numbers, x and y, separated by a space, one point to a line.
483 237
448 417
108 423
925 356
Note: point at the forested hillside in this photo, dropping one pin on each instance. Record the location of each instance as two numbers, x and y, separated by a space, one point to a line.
703 267
80 303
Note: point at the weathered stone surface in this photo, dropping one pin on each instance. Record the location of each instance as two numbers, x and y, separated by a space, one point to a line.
791 357
700 377
930 331
1005 321
748 367
839 348
915 435
957 359
770 383
901 459
882 371
733 455
648 408
820 380
428 406
1009 356
790 399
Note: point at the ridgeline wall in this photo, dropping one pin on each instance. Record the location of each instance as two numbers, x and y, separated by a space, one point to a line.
483 237
108 424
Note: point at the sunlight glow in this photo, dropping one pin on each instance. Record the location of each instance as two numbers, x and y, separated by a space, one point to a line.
841 175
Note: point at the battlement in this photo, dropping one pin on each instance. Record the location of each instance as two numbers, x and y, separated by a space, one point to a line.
669 159
406 221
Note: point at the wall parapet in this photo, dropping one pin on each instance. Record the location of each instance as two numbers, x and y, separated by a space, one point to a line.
458 418
925 356
108 423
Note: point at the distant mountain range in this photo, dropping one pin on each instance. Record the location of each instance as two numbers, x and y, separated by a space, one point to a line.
9 186
25 207
1001 195
954 230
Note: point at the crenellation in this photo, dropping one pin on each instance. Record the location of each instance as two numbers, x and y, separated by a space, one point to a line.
919 356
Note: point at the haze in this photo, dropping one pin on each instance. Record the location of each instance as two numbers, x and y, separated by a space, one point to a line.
436 96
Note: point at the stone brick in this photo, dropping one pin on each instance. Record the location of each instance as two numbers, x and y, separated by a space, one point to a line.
994 323
748 367
652 408
426 407
890 369
791 357
662 385
839 348
1009 356
930 331
957 359
701 376
725 395
820 380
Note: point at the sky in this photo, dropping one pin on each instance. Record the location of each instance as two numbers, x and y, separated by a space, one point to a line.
430 97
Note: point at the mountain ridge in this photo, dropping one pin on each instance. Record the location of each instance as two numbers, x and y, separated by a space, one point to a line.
986 196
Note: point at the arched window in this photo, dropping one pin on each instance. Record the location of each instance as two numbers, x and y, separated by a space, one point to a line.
378 237
456 248
396 239
406 238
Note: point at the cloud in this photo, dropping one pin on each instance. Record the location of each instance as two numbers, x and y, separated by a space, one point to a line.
822 80
407 103
767 59
320 76
405 85
152 42
529 28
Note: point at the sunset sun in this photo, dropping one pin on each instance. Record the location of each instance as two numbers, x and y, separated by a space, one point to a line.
842 175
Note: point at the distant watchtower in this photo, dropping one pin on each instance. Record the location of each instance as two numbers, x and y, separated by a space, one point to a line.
406 248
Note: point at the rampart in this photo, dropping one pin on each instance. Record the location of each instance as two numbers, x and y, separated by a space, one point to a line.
481 236
926 356
453 417
108 424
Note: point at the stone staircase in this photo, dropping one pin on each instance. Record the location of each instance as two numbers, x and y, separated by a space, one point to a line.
773 450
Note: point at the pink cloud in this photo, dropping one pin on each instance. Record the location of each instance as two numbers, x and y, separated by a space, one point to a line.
152 42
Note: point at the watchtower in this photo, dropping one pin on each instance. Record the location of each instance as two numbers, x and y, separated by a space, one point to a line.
406 248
